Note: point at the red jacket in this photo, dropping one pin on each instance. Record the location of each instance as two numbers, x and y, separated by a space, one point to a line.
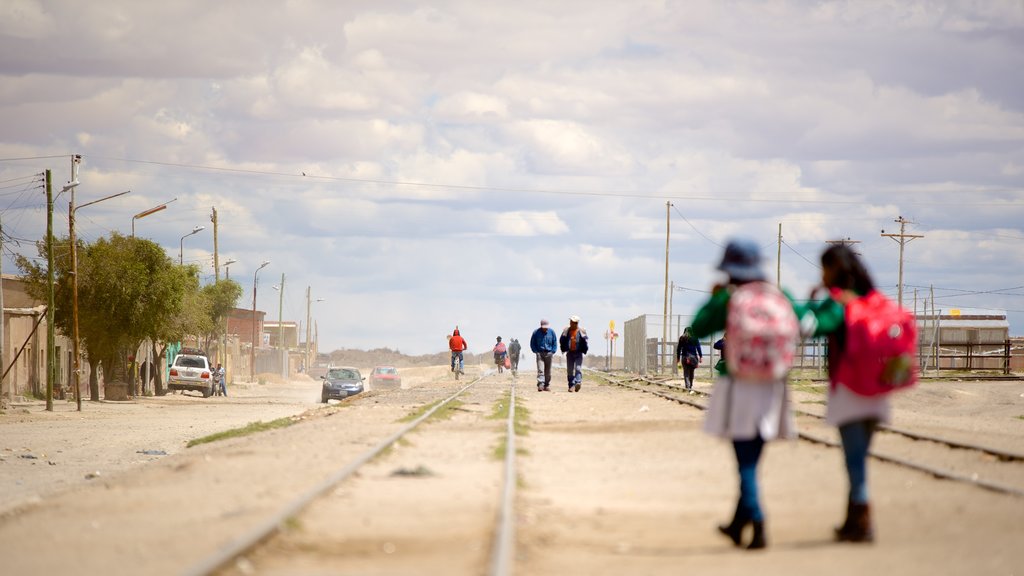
456 343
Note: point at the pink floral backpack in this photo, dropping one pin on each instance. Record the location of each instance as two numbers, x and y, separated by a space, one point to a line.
763 332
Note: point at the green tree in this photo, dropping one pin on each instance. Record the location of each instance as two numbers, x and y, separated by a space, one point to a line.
128 290
222 296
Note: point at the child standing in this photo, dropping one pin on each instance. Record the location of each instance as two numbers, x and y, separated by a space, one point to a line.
750 401
855 415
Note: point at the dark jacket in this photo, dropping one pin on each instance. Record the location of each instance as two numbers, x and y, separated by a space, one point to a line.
582 344
688 346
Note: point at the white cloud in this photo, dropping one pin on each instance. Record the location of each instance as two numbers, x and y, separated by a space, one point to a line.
490 165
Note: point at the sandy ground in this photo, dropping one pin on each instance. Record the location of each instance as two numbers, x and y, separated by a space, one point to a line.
611 482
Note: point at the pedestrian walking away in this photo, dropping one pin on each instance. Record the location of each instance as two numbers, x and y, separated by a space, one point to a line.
574 344
544 344
500 354
457 344
855 414
750 401
514 348
688 355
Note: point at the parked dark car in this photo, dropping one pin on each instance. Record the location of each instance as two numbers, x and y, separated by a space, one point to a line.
340 383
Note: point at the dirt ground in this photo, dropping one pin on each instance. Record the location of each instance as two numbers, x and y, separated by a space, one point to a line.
612 482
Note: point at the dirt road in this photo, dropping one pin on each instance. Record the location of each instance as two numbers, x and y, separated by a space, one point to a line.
612 482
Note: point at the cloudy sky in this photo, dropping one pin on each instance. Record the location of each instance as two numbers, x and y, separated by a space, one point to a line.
421 165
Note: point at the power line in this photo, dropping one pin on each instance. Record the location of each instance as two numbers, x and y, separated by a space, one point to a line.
604 194
695 229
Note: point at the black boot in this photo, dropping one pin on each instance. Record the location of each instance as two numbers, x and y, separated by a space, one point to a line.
758 542
858 525
734 530
845 527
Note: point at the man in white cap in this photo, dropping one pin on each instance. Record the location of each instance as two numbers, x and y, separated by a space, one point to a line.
574 345
544 344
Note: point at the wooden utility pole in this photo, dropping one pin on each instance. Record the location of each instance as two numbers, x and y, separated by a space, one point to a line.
280 330
778 259
903 239
216 259
75 351
664 324
51 351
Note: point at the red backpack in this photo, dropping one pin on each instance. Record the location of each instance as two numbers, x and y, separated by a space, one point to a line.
763 333
880 354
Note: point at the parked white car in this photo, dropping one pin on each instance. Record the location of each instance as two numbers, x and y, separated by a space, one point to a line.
191 371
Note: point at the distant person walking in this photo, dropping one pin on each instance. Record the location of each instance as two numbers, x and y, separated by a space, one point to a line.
855 414
500 353
544 344
575 346
688 355
514 349
457 344
750 401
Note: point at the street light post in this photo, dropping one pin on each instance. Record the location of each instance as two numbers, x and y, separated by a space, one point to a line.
181 244
309 303
224 348
76 362
145 213
252 349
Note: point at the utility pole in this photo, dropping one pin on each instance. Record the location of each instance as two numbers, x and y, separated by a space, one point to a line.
75 362
844 242
309 303
51 351
778 259
903 239
216 260
664 323
280 330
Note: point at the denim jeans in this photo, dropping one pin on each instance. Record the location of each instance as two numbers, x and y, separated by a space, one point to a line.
856 437
544 368
459 356
748 452
574 367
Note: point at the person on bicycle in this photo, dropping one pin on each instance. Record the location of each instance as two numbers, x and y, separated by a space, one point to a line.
500 352
457 344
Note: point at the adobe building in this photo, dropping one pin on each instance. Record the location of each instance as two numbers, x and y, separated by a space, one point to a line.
24 348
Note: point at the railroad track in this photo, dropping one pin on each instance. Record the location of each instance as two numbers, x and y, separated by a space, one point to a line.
231 557
988 468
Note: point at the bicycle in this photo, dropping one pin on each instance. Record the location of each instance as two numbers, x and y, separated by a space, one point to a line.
457 368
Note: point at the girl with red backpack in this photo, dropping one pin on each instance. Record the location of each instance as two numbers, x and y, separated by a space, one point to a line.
856 401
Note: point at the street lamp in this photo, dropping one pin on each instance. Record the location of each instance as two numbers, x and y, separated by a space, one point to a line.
309 303
280 329
227 276
94 395
181 244
145 213
252 350
226 264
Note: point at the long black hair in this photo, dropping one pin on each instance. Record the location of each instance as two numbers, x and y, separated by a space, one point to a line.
849 272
